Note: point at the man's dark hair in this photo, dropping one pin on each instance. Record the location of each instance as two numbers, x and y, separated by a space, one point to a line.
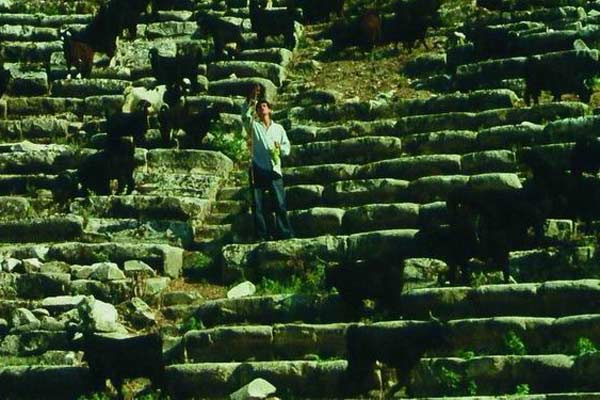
265 101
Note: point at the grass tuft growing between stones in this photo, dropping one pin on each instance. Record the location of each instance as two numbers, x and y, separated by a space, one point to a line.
312 282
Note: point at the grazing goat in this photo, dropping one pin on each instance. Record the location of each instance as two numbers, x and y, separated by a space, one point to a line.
364 31
136 96
195 124
77 54
272 22
117 161
318 10
125 14
565 195
560 72
410 22
400 347
120 358
377 278
585 156
4 78
100 35
171 70
221 31
502 220
133 124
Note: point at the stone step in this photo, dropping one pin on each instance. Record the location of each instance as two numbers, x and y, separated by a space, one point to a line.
142 206
303 379
163 258
28 33
251 69
277 55
203 186
32 230
210 233
19 51
319 221
41 19
372 110
81 88
174 233
36 127
189 162
487 119
461 121
546 15
515 5
22 106
26 184
545 396
411 168
498 375
268 309
477 335
228 206
552 299
218 218
50 382
359 150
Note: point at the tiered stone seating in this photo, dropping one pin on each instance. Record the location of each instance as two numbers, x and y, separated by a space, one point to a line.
363 179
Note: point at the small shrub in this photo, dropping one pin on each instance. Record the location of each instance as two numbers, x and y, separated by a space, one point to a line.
303 282
191 324
522 389
449 380
585 346
514 344
467 355
229 141
95 396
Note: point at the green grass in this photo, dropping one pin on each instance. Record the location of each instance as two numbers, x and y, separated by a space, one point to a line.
514 344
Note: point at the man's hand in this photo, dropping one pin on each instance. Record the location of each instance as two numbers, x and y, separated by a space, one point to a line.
254 93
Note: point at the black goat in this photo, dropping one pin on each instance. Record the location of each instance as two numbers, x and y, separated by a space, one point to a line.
364 31
117 161
100 35
585 156
77 54
195 124
272 22
171 70
126 13
318 10
502 220
118 359
221 31
133 124
410 22
400 347
5 76
377 278
164 68
560 73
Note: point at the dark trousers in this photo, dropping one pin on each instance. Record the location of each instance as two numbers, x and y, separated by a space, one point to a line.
266 185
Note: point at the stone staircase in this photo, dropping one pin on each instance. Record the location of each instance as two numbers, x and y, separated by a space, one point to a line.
363 178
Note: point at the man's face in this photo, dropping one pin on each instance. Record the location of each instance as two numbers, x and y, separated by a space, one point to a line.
263 109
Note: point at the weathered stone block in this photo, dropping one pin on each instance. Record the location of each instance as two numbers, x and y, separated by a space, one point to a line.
381 216
411 167
316 221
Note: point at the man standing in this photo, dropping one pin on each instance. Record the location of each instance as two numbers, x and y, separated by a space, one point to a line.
267 142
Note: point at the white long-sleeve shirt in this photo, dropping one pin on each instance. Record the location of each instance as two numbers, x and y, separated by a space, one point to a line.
264 139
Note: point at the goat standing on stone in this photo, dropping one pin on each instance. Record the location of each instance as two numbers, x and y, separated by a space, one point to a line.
120 358
272 22
221 31
4 78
